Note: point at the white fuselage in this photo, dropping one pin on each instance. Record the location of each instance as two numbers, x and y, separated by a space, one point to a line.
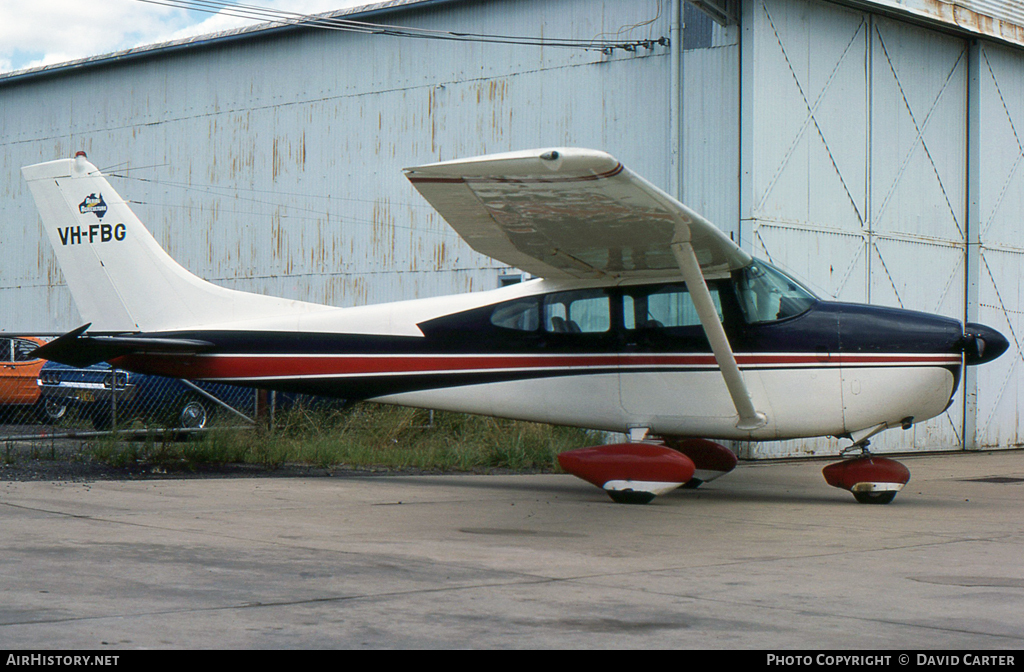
603 379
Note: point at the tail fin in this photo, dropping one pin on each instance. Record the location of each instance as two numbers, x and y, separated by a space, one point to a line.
119 276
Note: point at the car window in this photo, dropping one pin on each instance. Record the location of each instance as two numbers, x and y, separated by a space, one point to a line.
22 350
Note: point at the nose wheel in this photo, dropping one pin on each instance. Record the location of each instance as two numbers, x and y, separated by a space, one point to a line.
870 478
875 497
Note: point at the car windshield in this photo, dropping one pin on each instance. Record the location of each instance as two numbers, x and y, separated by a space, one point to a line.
766 294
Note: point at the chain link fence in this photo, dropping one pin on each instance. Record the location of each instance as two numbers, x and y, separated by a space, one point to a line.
60 422
45 399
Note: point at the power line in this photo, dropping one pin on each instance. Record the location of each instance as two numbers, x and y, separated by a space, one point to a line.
327 22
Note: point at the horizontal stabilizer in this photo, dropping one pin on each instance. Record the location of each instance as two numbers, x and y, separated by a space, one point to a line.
76 349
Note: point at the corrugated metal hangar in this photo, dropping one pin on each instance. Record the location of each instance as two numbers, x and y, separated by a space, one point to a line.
873 148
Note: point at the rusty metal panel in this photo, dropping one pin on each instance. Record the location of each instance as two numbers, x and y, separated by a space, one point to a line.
995 19
273 163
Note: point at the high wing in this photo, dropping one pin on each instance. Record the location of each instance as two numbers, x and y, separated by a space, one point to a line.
571 213
580 213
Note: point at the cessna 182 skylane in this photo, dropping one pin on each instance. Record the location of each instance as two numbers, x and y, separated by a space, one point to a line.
646 319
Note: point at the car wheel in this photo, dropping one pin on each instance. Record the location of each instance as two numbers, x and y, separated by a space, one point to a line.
193 415
54 410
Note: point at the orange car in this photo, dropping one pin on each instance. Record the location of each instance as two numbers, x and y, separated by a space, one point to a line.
18 374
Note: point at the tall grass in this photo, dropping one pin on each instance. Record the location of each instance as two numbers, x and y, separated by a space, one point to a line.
364 436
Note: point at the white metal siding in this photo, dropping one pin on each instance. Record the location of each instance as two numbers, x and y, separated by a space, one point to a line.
1000 289
918 199
806 110
857 168
273 163
711 128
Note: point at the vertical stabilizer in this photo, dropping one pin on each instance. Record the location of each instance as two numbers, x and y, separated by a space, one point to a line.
119 276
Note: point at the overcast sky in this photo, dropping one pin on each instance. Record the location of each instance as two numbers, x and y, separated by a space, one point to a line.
43 32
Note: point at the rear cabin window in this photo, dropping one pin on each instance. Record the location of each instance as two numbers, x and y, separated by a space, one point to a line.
577 312
521 315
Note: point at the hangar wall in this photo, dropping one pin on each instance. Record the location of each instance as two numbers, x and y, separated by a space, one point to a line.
876 159
271 161
857 133
995 394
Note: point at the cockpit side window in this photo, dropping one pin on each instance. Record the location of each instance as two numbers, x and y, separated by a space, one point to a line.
664 307
586 311
765 294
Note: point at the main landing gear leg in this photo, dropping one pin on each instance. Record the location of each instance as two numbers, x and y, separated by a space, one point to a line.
871 479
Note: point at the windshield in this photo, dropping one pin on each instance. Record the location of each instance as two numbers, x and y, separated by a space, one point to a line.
766 294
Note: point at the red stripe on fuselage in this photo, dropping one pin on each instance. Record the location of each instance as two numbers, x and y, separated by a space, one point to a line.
249 366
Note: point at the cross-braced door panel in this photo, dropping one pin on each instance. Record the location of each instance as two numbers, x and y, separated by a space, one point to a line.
918 132
810 114
857 179
1000 302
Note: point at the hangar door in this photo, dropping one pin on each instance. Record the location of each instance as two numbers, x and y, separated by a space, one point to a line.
997 290
854 168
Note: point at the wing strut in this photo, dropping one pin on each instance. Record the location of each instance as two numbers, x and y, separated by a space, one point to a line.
750 418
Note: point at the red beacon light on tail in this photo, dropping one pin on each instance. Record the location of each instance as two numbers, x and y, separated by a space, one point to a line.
81 163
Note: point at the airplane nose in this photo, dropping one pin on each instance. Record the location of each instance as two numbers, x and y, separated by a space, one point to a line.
982 344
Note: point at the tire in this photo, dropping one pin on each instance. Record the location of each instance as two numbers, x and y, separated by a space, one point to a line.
53 410
192 415
875 497
630 496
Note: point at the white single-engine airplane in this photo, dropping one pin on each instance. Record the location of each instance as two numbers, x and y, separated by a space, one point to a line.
646 319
